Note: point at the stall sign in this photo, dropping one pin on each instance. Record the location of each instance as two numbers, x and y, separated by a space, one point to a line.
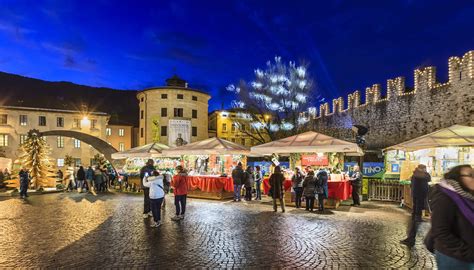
314 160
373 169
349 166
395 168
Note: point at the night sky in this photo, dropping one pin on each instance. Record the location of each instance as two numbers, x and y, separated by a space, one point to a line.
348 44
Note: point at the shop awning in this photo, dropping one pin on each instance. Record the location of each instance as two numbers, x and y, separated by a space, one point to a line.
308 142
211 146
456 135
145 151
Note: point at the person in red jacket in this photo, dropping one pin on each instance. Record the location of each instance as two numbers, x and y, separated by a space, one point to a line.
180 190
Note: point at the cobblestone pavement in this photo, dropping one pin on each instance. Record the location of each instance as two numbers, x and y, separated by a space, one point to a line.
108 231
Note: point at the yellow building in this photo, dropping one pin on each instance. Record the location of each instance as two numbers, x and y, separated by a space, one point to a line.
121 137
171 112
15 122
234 126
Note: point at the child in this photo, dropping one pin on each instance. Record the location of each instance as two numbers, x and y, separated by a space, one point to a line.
157 194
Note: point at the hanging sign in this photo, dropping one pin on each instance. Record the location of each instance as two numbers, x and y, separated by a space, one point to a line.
314 160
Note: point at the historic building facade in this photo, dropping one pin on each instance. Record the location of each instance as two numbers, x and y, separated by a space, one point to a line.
403 113
172 113
15 122
121 137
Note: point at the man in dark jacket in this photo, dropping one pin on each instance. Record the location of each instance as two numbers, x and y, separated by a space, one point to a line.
238 176
24 182
147 170
356 182
419 191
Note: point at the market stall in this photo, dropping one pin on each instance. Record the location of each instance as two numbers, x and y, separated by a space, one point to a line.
209 164
135 158
315 150
439 151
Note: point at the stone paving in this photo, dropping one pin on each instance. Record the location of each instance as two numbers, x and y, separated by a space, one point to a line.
108 231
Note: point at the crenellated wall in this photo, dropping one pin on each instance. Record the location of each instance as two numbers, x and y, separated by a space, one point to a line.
403 113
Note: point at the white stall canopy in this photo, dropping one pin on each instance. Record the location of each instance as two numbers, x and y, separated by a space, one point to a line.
145 151
307 142
211 146
456 135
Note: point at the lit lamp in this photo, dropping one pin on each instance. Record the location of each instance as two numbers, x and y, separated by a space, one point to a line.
85 121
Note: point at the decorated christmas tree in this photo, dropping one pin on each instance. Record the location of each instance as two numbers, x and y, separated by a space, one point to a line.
35 159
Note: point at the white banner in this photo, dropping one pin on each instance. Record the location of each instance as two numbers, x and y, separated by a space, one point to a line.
179 129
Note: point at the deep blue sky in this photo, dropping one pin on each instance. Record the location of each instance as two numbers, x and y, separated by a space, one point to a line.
348 44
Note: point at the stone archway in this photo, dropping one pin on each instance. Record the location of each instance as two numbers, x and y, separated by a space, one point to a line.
100 145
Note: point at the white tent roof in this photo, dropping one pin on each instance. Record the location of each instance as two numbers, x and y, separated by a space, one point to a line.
456 135
306 143
145 151
209 146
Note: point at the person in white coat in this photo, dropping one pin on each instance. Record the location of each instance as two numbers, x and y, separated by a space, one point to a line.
157 194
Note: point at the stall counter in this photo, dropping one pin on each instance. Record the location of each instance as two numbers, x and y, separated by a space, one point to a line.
209 187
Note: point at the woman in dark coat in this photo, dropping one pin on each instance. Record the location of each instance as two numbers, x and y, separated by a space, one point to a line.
309 186
276 188
452 222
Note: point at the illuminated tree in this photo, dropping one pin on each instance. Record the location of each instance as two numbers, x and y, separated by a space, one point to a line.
35 159
273 102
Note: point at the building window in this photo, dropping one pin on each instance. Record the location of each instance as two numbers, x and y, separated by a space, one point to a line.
141 114
252 142
108 132
164 112
3 119
60 122
60 162
164 96
60 141
77 162
121 146
93 123
42 121
195 98
141 99
76 123
3 139
164 131
233 127
242 127
178 112
23 120
233 139
224 127
195 114
77 143
23 138
179 96
242 141
121 132
194 131
141 132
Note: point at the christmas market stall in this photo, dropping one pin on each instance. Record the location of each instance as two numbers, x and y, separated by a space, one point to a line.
209 163
315 150
439 151
136 158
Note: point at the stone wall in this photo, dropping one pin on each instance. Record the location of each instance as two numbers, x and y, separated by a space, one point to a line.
403 113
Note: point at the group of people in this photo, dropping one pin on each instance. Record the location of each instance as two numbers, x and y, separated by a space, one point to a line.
451 237
93 179
4 175
156 185
247 179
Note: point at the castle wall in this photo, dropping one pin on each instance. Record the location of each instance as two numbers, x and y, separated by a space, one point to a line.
403 113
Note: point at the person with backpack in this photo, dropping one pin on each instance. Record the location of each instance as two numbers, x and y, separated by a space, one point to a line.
309 187
147 169
297 183
81 178
276 188
258 183
90 180
157 194
322 188
238 178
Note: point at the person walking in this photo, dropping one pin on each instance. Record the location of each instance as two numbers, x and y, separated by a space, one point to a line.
419 191
180 185
322 188
81 178
451 237
276 188
356 183
249 181
98 179
258 183
297 183
146 170
24 182
309 187
90 180
156 193
238 178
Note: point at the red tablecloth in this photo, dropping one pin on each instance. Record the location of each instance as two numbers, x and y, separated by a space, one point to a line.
210 183
340 190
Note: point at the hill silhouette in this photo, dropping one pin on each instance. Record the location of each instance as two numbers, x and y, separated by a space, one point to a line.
16 90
